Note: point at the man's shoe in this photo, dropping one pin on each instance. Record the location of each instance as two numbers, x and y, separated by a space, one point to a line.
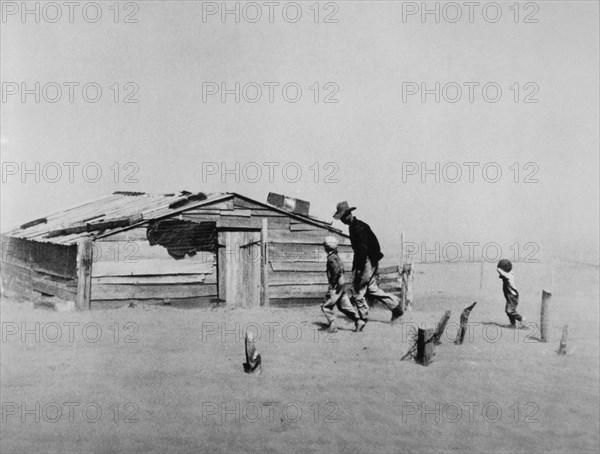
397 313
360 325
332 327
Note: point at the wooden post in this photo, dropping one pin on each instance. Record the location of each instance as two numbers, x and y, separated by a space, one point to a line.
406 274
481 276
562 349
464 320
264 263
425 346
545 316
401 250
85 255
253 359
403 288
437 337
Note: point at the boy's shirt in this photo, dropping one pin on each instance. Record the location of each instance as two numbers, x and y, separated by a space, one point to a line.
508 283
335 270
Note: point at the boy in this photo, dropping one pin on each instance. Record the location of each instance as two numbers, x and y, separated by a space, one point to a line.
336 294
510 293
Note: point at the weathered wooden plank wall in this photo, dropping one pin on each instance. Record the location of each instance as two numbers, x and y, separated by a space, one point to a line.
32 268
297 264
126 267
53 259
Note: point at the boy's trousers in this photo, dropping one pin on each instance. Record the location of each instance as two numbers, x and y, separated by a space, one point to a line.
512 302
338 297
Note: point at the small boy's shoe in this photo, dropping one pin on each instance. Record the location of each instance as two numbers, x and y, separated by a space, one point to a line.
359 325
397 312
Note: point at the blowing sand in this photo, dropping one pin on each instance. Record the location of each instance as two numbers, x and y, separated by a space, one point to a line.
86 385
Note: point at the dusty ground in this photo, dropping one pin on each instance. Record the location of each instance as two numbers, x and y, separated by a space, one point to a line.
180 387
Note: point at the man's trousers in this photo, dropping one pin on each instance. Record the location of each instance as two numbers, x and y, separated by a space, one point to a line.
366 285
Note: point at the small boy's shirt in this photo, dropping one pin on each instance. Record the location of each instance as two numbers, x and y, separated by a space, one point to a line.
335 269
508 283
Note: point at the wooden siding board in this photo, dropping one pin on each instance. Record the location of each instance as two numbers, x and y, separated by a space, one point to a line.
298 266
201 217
306 228
298 278
157 280
298 291
199 301
137 234
302 252
45 284
308 237
139 251
17 278
252 222
222 205
238 213
165 291
242 203
152 267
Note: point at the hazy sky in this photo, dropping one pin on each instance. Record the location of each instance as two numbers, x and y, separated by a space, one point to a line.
367 61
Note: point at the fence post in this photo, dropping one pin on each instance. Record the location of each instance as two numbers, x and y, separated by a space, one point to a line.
545 316
425 346
562 348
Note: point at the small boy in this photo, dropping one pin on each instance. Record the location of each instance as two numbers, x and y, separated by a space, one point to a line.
510 293
336 294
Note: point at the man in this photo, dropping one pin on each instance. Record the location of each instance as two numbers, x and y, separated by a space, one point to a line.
367 255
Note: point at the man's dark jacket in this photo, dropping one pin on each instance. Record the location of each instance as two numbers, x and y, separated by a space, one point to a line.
365 245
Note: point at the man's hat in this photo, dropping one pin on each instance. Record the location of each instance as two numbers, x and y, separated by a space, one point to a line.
505 265
342 208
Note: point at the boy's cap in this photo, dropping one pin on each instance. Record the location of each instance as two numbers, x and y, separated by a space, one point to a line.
331 242
505 265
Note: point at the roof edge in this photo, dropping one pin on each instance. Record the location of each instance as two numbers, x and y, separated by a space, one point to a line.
293 215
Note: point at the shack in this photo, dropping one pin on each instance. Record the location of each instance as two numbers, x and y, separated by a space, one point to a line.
174 249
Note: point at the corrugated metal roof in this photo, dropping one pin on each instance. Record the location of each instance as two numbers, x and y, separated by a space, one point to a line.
117 206
140 207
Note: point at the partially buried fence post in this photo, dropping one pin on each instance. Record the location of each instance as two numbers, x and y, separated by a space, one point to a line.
406 274
439 332
562 349
425 346
464 321
253 359
545 316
